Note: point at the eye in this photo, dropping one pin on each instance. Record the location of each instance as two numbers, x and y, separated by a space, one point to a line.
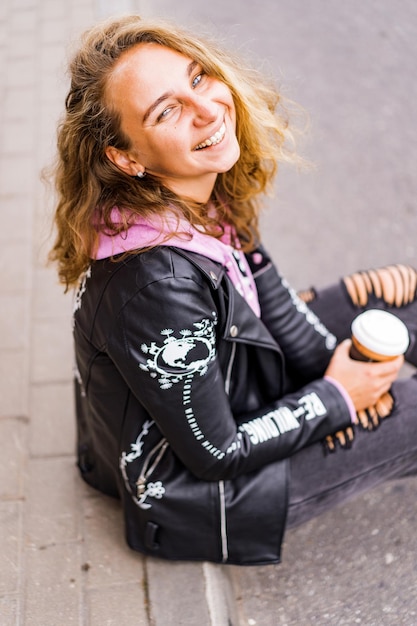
197 79
164 114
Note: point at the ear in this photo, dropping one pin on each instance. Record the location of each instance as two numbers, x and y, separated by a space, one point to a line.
124 161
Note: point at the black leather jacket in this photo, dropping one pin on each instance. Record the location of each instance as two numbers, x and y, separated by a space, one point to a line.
188 405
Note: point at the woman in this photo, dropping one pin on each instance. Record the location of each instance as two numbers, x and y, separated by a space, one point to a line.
205 386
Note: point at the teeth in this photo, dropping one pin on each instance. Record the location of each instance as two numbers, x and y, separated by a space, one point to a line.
211 141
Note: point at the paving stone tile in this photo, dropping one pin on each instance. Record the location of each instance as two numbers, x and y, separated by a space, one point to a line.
43 231
11 547
9 610
4 10
40 252
52 62
45 156
53 30
16 219
52 352
54 78
14 321
17 102
105 8
49 299
108 558
16 176
53 502
117 605
23 20
83 16
14 366
42 239
52 109
52 424
53 586
177 594
15 268
13 437
53 105
25 4
21 71
18 136
22 45
3 51
51 10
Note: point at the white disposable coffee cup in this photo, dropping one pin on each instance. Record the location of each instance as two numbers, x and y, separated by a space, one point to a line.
378 336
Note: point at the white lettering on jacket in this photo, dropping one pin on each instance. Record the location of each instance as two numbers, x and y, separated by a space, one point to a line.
283 420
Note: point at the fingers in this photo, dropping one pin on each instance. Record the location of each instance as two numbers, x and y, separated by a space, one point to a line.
382 373
387 374
370 418
373 415
384 405
363 419
342 438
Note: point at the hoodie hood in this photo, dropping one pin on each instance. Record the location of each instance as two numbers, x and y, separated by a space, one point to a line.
157 231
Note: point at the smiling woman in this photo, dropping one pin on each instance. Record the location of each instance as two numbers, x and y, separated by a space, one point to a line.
138 88
205 387
181 128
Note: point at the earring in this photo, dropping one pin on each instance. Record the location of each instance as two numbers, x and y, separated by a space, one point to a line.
141 174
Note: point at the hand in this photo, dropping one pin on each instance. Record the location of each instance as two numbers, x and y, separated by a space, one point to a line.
364 382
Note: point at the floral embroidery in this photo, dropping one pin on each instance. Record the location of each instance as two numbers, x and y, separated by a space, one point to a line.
137 447
151 490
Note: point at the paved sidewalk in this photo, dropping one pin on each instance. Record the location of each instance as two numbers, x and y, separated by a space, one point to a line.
63 560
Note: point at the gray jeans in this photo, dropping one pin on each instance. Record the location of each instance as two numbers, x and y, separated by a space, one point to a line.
320 481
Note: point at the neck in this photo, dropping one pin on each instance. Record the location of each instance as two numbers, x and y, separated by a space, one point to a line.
197 191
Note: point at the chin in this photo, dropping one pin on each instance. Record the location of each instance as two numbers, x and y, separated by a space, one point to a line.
230 159
230 163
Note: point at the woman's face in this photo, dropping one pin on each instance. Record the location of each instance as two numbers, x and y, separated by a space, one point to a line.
180 121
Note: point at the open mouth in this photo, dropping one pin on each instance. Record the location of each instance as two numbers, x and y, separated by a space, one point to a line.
214 139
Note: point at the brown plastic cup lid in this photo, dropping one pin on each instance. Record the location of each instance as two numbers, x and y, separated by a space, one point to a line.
381 332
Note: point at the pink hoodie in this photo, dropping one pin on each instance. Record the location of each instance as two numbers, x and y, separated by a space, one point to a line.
150 232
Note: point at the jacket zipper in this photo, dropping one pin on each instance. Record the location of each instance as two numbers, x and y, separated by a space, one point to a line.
223 525
223 528
229 369
148 469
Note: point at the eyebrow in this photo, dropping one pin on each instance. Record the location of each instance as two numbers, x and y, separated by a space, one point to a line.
190 68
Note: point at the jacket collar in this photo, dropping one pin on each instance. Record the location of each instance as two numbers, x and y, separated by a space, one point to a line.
242 325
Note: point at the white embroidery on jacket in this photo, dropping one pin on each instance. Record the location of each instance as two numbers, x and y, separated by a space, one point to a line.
312 406
81 290
137 447
283 420
182 357
152 489
311 317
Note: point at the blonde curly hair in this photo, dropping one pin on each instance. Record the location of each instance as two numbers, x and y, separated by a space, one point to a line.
89 185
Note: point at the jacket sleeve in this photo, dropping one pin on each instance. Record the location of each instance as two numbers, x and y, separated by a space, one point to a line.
165 344
305 341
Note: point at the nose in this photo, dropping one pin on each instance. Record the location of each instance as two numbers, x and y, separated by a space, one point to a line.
204 109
